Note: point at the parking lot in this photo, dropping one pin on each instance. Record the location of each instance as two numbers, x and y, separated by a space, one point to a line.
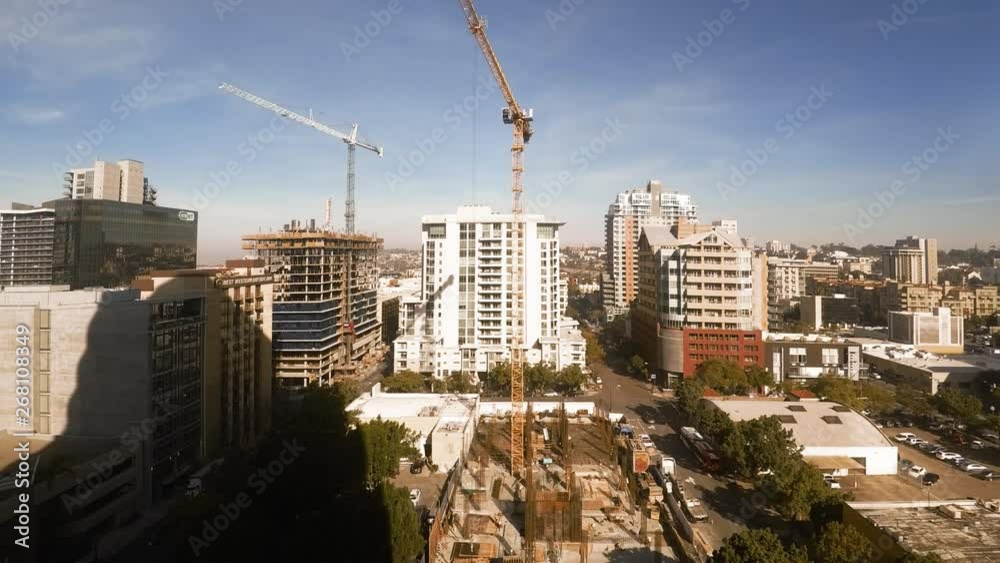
428 483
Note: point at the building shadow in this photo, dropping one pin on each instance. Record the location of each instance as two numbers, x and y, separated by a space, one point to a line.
154 438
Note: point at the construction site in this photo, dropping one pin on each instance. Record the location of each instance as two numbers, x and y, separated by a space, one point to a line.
326 281
577 500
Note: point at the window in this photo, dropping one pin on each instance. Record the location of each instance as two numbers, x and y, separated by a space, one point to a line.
831 356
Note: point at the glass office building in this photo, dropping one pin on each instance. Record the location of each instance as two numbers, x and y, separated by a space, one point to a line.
103 243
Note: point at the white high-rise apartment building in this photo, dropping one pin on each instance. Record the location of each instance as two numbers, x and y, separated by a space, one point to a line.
911 260
124 180
460 321
628 214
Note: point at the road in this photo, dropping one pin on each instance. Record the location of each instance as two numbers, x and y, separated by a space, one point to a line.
725 502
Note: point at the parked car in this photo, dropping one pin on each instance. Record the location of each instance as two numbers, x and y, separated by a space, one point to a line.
957 461
926 446
978 445
905 464
417 467
906 422
973 466
916 441
904 436
945 456
937 449
987 475
929 479
991 435
936 426
831 482
917 471
415 496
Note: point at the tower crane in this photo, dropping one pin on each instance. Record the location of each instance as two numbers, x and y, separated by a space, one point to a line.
521 120
351 140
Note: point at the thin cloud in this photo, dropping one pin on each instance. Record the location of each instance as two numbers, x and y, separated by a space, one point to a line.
34 116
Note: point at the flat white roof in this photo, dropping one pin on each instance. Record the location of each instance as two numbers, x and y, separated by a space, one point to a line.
933 362
814 424
394 406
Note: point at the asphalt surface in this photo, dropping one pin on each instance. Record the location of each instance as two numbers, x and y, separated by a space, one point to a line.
653 414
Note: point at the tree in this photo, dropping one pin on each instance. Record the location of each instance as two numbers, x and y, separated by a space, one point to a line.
878 398
838 543
595 351
836 389
689 394
572 312
993 422
913 400
459 383
758 377
386 442
570 379
724 376
496 382
405 381
637 365
757 545
959 405
407 539
538 378
795 488
756 445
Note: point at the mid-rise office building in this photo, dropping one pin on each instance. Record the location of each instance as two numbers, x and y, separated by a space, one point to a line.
236 392
107 362
104 243
630 212
325 320
123 181
460 322
911 260
787 279
778 248
937 331
867 293
965 301
838 309
26 235
697 298
791 357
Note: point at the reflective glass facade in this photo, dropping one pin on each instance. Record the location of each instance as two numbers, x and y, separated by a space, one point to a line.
101 243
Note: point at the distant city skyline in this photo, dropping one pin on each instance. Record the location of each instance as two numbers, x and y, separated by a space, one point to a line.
823 109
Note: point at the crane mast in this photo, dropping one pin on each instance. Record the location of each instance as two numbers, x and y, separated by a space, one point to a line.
351 140
520 119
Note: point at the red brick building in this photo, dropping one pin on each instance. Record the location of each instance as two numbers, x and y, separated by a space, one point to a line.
745 347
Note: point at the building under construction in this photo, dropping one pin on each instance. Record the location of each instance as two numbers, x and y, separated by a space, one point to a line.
325 323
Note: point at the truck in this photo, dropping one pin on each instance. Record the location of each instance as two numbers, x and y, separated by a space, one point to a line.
691 435
694 510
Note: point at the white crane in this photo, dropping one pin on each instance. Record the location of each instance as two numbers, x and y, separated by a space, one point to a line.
350 140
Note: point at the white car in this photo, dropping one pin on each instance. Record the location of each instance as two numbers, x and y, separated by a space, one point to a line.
978 445
973 467
646 440
831 482
415 496
916 471
904 436
945 456
915 441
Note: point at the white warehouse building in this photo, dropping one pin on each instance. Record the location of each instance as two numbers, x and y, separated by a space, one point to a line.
833 437
460 321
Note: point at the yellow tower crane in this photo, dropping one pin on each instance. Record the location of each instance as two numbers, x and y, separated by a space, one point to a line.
521 119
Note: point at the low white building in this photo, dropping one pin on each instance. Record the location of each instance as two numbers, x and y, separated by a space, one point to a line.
833 437
445 424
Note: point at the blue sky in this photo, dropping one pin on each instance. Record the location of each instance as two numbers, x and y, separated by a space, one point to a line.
892 89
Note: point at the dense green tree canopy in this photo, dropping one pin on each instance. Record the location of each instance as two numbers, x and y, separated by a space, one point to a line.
837 543
756 545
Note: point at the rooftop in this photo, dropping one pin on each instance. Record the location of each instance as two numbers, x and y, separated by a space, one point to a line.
952 363
973 536
412 405
813 424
